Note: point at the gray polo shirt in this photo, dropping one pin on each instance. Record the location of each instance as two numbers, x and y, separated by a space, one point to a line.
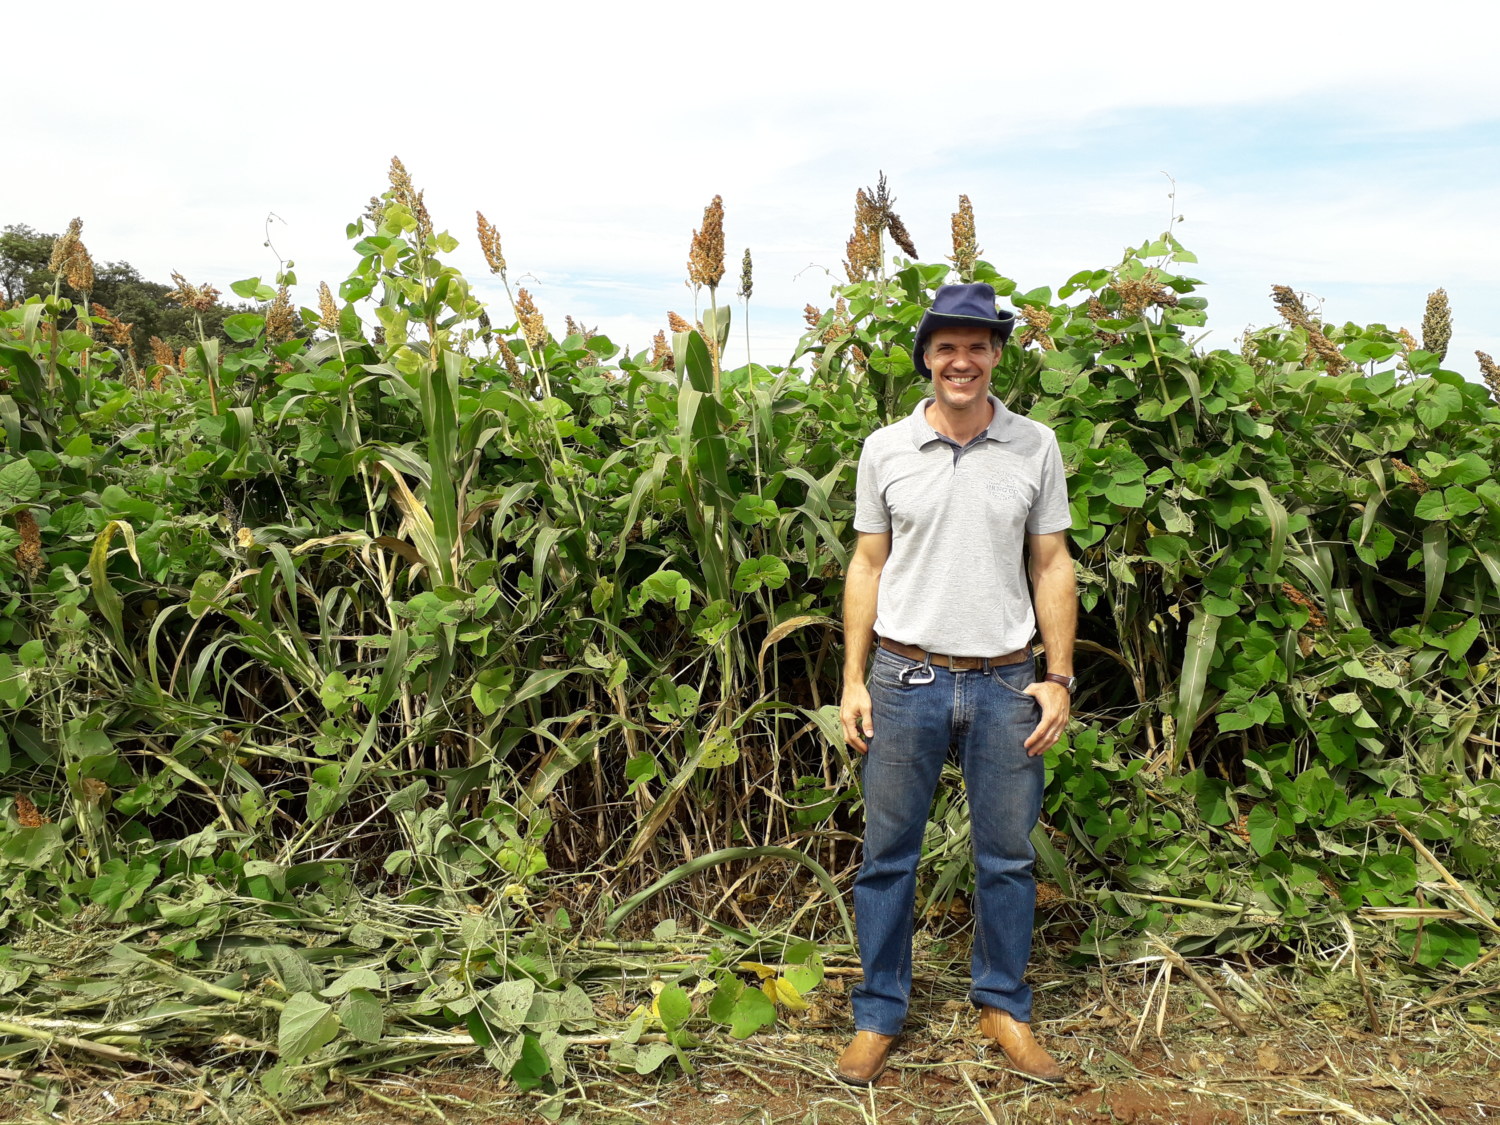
955 581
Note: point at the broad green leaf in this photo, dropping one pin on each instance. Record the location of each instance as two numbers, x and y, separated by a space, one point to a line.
651 1056
1262 825
505 1005
19 483
719 749
306 1024
361 1015
352 979
1462 639
243 327
725 997
752 1011
673 1007
716 622
767 571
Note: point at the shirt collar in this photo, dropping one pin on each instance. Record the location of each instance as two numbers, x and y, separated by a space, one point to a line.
999 429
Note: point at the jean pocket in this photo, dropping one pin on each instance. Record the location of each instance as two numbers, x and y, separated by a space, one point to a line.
999 672
892 672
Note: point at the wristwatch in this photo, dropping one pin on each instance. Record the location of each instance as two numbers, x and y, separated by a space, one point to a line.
1066 681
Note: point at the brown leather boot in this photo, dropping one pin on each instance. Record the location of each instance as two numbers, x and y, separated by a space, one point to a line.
864 1059
1015 1039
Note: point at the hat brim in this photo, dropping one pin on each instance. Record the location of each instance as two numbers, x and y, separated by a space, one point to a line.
1003 322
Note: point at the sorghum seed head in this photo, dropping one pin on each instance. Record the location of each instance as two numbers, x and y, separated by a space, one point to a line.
29 557
747 282
328 309
489 242
1491 372
281 319
899 234
1437 324
706 255
199 298
661 352
965 245
533 327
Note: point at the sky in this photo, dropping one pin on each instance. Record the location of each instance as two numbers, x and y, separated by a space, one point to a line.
1349 150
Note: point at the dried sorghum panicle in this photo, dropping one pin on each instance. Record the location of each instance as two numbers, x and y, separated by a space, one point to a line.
199 298
1135 294
965 245
27 814
1408 341
29 558
62 247
661 352
706 255
328 309
114 327
1295 313
1096 309
1410 475
1437 324
1491 373
1315 616
404 193
489 242
160 353
747 280
839 325
402 190
899 234
863 246
1290 306
71 258
533 327
678 323
811 314
281 319
508 358
1038 320
375 211
80 269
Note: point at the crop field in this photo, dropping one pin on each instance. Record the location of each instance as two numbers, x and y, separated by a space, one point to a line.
418 710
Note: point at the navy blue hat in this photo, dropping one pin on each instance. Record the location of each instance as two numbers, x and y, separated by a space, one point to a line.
961 306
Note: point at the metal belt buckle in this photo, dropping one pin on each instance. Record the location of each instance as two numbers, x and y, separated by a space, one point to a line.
919 675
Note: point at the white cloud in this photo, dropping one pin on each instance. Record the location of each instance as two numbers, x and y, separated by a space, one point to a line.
593 139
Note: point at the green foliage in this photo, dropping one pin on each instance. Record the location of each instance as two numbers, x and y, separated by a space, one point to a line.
290 625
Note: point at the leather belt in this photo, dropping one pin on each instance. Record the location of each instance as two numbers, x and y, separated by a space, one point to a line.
953 663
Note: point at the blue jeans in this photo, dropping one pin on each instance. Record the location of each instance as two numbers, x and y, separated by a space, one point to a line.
986 717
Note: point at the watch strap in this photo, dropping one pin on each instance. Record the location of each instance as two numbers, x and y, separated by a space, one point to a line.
1059 678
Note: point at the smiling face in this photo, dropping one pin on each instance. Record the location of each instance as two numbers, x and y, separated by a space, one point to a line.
961 360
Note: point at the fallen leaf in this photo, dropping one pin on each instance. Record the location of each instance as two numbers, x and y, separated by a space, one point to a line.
1267 1057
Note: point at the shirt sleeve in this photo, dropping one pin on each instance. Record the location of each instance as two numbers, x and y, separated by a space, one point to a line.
870 513
1050 512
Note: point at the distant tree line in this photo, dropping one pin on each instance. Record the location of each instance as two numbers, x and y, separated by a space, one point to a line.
118 286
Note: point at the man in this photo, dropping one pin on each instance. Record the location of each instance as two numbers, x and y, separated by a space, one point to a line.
947 499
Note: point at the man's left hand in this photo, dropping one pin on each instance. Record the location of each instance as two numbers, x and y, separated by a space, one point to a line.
1056 704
